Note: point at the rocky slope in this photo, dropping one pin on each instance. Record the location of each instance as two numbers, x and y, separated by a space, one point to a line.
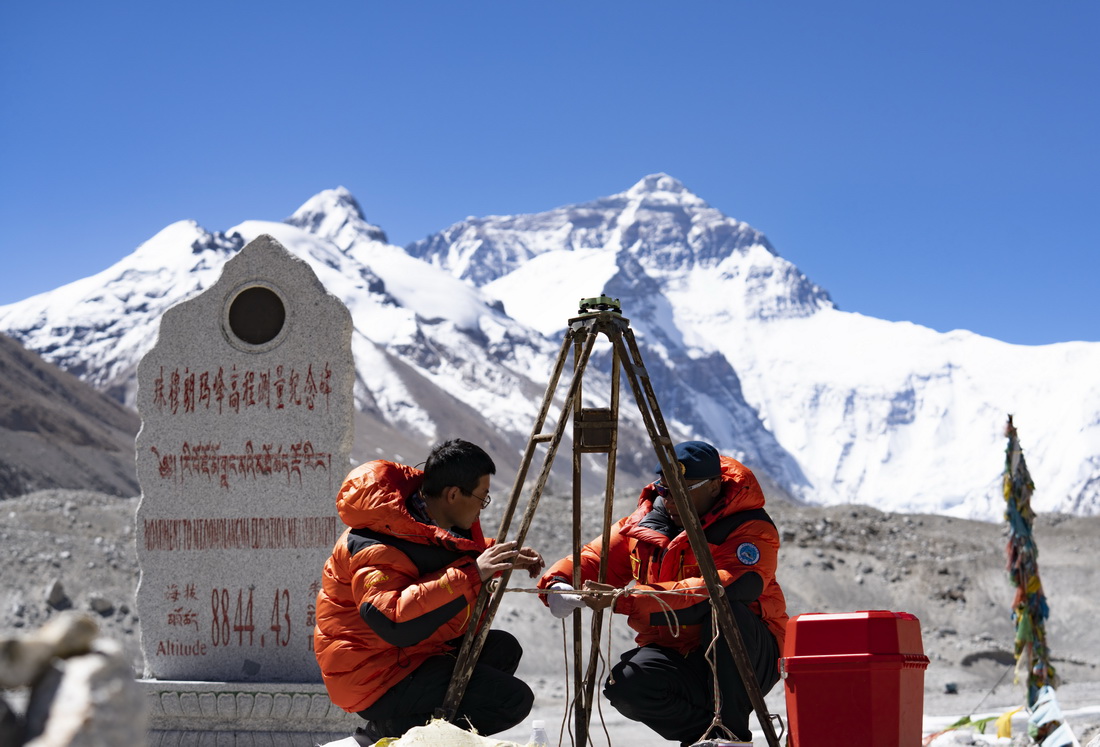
63 549
57 431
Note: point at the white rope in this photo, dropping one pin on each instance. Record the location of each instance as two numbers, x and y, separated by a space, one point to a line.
711 656
569 708
605 661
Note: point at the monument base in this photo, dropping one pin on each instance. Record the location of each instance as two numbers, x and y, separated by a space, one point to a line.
243 714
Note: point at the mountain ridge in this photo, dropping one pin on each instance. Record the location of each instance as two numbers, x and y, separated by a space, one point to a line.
743 348
886 413
58 432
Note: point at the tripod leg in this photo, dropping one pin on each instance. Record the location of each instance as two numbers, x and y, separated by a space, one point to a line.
487 604
608 506
647 403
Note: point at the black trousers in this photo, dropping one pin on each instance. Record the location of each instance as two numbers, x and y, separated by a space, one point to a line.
673 694
494 699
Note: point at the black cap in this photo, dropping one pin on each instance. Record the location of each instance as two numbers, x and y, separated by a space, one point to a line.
697 459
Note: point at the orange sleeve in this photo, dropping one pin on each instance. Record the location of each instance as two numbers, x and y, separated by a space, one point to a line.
618 562
752 548
403 608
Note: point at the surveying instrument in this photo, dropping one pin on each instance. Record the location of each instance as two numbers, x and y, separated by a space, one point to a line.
595 431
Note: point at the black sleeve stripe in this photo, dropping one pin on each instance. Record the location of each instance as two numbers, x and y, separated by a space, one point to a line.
717 532
427 558
692 615
409 632
745 588
358 541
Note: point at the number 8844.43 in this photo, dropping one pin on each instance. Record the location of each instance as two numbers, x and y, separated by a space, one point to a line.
227 619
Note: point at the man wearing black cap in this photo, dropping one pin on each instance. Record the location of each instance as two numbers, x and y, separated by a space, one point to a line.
666 682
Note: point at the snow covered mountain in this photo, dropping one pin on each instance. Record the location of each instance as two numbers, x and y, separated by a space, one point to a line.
434 356
885 413
457 334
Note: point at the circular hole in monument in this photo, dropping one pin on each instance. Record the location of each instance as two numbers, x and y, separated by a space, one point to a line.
257 315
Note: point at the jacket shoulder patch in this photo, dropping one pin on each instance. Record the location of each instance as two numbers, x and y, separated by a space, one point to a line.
748 553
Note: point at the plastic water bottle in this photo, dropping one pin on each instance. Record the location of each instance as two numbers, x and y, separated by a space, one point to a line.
539 737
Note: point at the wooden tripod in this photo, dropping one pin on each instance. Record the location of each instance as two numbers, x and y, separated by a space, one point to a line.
596 431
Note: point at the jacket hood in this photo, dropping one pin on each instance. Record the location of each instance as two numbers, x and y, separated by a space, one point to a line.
375 496
740 491
737 494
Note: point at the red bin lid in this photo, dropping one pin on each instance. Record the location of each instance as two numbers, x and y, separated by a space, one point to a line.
863 632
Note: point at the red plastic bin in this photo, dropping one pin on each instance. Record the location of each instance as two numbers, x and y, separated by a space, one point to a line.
854 679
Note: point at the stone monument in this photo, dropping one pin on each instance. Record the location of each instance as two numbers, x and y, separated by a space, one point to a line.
246 406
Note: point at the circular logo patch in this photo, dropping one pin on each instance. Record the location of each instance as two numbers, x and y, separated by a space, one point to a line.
748 553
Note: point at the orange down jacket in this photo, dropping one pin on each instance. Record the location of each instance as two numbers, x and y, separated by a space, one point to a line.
742 540
394 591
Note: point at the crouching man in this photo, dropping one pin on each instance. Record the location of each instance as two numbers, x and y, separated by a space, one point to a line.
398 592
665 682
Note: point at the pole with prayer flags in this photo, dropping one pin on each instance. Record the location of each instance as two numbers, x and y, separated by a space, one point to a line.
1029 608
1046 724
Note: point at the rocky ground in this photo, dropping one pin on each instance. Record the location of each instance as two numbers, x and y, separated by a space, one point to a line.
75 549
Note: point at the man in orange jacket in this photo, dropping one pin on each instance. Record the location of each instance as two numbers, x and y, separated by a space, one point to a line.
398 591
666 682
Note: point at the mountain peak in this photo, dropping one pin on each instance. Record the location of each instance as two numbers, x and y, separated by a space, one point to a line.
332 212
745 351
330 201
665 189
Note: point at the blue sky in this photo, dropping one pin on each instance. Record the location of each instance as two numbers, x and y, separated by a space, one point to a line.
936 162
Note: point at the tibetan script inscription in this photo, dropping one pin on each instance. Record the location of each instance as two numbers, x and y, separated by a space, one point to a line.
205 460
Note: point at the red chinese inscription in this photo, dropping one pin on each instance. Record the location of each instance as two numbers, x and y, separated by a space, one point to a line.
277 388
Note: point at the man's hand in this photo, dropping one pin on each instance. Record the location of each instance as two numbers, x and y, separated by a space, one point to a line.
598 601
562 604
530 559
499 557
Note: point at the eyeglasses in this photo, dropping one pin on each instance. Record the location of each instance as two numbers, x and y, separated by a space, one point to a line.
484 501
663 491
